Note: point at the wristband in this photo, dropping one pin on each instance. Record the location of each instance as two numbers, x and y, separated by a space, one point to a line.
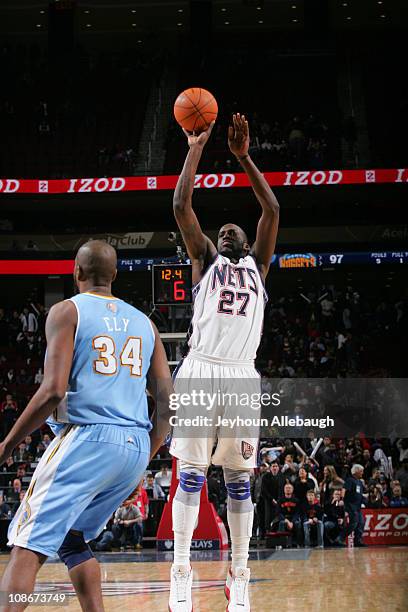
239 158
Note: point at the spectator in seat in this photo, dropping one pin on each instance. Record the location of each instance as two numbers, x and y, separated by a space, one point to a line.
5 510
106 539
402 445
289 511
353 495
20 454
375 477
14 494
126 517
368 464
334 517
312 518
396 500
29 447
8 403
8 467
140 499
46 440
273 482
163 477
289 468
9 414
40 450
302 485
153 489
375 498
330 455
256 488
21 472
402 476
16 504
331 482
383 487
11 376
39 376
23 378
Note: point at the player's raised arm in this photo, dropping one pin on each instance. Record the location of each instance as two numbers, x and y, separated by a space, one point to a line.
160 387
264 246
60 333
199 247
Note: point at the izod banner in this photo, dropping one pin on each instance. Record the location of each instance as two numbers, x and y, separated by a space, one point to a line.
385 526
300 178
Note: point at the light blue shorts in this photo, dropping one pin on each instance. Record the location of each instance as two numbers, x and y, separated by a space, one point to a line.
82 478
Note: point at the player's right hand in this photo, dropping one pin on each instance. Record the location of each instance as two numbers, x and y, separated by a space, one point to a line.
200 139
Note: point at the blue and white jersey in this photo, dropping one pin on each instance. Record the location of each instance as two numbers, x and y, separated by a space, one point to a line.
113 346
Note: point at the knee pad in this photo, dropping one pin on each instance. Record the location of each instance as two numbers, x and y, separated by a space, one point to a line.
192 479
239 490
74 550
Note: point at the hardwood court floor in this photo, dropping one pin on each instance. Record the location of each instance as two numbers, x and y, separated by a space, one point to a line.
371 580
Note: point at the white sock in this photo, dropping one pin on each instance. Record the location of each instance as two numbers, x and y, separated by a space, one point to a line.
184 522
240 524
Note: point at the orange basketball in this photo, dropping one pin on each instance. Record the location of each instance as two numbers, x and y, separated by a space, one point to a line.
195 108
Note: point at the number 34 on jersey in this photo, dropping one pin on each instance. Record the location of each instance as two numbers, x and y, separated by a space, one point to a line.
111 357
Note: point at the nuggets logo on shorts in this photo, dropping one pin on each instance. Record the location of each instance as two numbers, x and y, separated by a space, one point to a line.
247 450
24 517
112 307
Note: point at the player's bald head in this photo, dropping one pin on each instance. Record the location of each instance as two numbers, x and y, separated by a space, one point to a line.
240 232
96 261
232 241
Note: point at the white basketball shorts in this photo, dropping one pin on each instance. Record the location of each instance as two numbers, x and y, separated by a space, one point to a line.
225 430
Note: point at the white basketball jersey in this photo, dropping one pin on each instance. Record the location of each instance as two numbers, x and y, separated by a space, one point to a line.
229 304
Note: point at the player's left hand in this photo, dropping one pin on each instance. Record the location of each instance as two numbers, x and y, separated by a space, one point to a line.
238 135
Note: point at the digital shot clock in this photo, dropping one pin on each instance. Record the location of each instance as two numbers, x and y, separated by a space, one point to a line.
172 284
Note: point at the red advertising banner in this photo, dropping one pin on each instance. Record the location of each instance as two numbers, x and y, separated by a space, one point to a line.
41 266
313 178
386 526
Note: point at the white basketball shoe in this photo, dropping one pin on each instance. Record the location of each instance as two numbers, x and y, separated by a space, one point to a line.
181 581
237 590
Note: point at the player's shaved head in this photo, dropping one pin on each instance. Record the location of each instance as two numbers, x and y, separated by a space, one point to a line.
96 261
232 241
238 229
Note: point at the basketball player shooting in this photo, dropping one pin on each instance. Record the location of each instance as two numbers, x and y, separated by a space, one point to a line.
229 301
105 352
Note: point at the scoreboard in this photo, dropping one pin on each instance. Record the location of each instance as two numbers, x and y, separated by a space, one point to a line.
318 260
172 284
172 272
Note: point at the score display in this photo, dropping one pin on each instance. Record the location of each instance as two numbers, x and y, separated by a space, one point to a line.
172 284
317 260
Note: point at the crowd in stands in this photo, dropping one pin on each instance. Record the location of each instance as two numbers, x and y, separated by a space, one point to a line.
43 119
331 331
43 127
286 143
326 332
296 493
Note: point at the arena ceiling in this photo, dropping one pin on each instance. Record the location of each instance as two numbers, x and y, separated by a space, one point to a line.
173 16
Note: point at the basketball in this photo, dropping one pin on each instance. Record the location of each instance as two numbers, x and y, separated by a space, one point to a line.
195 108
